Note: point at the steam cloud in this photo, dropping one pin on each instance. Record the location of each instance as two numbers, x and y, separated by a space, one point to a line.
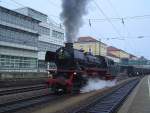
95 84
73 11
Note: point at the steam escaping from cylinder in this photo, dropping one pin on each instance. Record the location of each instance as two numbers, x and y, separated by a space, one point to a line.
96 84
72 14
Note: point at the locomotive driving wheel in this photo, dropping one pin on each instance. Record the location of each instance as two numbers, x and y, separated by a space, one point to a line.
75 88
56 89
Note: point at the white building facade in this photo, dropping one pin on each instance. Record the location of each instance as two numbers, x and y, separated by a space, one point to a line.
25 36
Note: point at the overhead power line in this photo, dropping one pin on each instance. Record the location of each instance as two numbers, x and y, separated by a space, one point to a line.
18 3
131 37
106 17
116 12
53 4
120 19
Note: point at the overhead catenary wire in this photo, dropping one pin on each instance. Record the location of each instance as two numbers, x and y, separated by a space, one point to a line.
7 3
53 4
116 12
112 18
147 16
92 19
119 18
106 17
97 19
132 37
17 3
91 27
25 6
122 20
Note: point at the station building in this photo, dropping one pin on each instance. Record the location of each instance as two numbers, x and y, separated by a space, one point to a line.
25 36
118 52
113 57
90 44
96 47
119 55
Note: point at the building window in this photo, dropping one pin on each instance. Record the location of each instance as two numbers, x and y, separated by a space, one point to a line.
43 46
44 30
57 34
17 20
13 36
17 63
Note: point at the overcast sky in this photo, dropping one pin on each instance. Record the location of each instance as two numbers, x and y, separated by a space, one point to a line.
127 33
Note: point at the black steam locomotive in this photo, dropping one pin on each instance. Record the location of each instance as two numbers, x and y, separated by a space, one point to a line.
74 67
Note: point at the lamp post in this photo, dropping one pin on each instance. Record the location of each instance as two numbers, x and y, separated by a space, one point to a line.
99 47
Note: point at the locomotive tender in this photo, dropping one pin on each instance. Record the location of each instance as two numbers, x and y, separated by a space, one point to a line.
74 67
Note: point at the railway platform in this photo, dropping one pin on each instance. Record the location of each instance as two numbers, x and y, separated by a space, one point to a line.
139 99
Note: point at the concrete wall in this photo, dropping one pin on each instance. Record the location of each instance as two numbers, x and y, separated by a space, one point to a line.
7 75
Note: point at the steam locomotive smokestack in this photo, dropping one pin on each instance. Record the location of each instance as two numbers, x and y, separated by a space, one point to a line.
69 45
73 11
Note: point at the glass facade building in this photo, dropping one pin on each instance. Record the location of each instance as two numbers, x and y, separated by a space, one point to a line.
25 36
51 36
13 35
18 42
17 63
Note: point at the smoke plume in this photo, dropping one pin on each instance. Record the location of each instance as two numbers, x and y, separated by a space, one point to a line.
96 84
72 14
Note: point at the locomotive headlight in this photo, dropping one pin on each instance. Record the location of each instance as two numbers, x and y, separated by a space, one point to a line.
74 73
61 50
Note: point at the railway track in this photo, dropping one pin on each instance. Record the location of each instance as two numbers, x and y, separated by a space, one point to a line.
108 103
21 89
23 102
14 106
23 82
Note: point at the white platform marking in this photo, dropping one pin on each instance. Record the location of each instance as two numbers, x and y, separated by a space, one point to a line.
149 84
